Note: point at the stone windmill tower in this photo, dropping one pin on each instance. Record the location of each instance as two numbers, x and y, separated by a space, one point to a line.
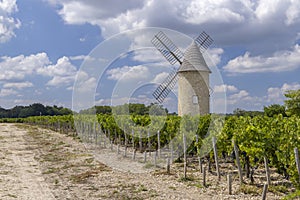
192 75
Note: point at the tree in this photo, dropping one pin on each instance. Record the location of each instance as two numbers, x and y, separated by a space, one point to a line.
239 112
274 109
293 102
103 109
251 113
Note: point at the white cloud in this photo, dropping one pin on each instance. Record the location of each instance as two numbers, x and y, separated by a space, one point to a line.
215 56
128 73
238 97
8 24
16 68
263 25
294 86
85 83
62 73
19 85
276 94
293 13
159 78
224 88
198 12
82 57
149 56
278 62
7 92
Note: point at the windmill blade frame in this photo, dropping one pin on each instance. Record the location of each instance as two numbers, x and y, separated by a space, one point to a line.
203 41
163 90
167 48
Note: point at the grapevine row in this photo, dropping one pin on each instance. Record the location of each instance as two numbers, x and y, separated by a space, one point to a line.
257 137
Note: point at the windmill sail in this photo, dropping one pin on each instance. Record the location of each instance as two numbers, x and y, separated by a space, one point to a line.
167 48
203 41
170 51
166 87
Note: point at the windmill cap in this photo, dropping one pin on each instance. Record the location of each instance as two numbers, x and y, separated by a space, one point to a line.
193 60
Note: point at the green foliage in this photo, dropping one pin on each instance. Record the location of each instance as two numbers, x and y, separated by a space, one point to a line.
274 109
97 110
293 102
240 112
256 136
293 196
35 109
131 108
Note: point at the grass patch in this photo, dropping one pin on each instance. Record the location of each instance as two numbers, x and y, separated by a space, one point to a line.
83 177
198 185
89 160
12 196
162 172
148 165
278 189
50 157
172 187
186 179
250 189
293 196
142 188
4 172
51 170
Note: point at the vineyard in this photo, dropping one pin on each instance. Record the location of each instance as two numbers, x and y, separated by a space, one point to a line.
251 143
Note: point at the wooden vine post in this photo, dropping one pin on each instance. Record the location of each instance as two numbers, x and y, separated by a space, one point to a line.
149 142
100 135
237 157
204 176
172 152
132 133
145 156
158 144
297 161
229 183
265 190
133 154
126 142
168 165
199 158
184 157
216 157
267 171
95 133
104 139
133 145
96 136
140 141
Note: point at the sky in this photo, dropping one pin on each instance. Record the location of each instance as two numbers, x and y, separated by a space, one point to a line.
47 46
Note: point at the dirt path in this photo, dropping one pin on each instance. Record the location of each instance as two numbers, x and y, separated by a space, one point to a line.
42 164
20 176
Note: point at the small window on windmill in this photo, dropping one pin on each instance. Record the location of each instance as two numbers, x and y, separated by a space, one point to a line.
195 99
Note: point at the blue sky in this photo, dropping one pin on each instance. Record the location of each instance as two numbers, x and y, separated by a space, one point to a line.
44 42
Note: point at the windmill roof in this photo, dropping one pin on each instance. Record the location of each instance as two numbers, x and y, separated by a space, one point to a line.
193 60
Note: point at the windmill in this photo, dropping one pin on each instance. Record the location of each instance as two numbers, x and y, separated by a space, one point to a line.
192 74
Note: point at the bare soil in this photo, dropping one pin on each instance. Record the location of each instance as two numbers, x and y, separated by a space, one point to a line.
42 164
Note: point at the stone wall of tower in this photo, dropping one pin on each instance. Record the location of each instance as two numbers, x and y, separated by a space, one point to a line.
192 86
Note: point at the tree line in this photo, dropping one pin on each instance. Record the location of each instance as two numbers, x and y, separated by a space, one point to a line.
291 107
131 108
35 109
